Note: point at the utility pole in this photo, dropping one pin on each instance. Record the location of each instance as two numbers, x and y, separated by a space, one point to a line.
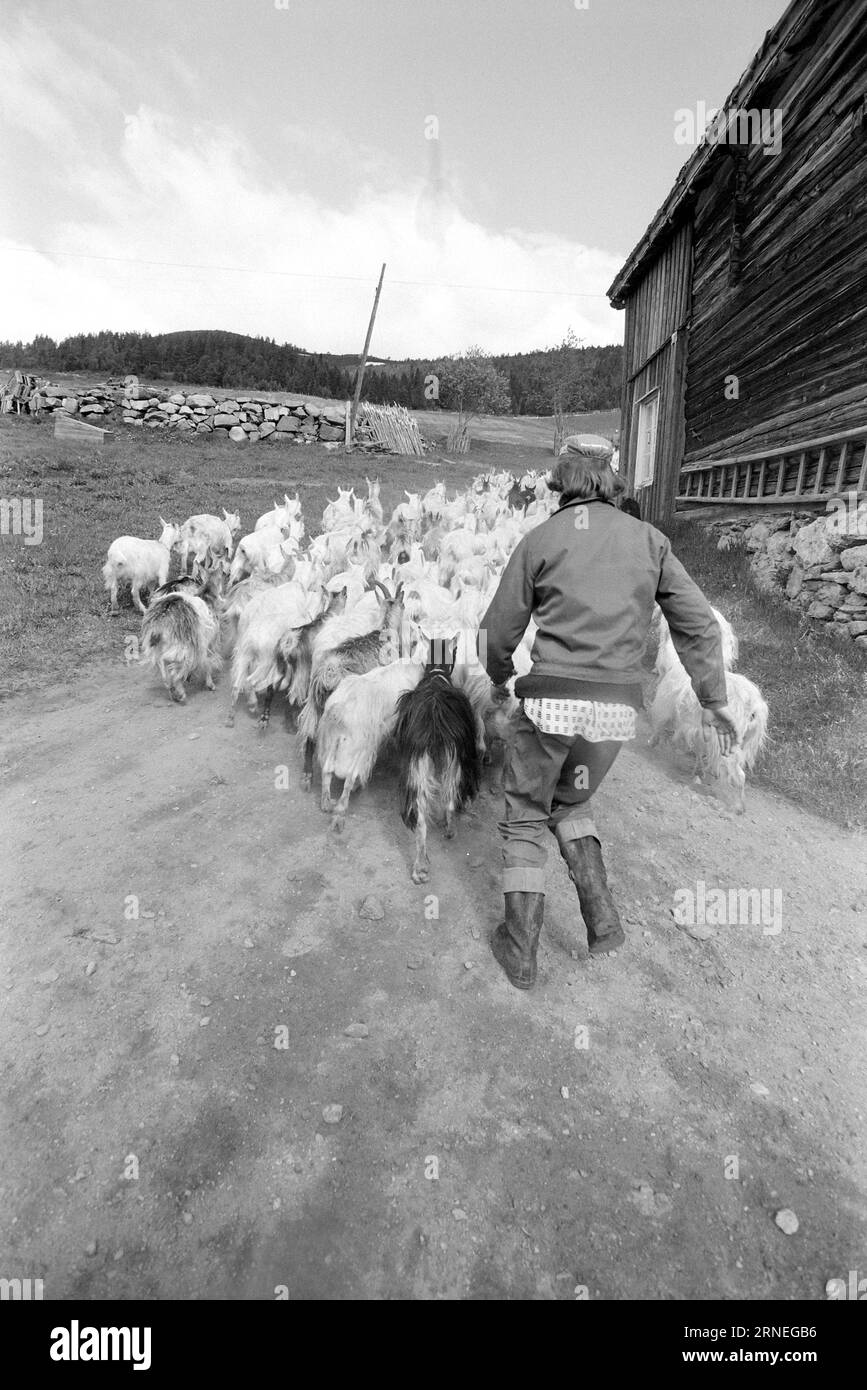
363 361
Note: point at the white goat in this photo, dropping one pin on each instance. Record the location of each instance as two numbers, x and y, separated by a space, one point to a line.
205 539
358 718
141 563
267 618
667 656
180 634
676 712
267 550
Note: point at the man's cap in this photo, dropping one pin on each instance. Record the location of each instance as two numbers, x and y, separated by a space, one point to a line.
590 446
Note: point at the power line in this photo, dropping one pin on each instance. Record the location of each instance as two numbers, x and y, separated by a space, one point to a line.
296 274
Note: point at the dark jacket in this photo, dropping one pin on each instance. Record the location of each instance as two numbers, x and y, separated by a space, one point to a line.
589 576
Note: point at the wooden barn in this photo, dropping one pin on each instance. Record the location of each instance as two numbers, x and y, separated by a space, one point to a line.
745 358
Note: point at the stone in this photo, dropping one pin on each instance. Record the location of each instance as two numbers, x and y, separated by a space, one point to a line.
795 581
224 420
202 428
288 424
854 558
335 415
332 1114
281 437
830 593
221 433
371 909
253 436
858 628
309 409
267 427
202 400
333 432
178 398
231 407
237 435
858 581
822 611
812 545
754 536
185 410
70 405
861 642
356 1030
273 412
787 1221
834 577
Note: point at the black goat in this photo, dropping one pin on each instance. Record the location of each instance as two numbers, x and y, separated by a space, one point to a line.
436 744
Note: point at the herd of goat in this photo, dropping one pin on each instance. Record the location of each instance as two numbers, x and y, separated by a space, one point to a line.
370 632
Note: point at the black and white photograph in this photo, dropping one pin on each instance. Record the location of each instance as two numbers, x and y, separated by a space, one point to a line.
433 666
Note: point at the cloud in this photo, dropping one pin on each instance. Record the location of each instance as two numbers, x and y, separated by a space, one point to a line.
147 186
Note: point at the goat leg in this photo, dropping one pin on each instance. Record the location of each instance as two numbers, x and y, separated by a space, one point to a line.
326 802
338 820
230 716
136 598
114 611
421 865
307 775
266 709
175 683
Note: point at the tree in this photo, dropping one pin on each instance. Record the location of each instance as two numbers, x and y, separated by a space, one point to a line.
471 385
564 362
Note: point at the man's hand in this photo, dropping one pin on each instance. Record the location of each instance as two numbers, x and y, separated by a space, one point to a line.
722 722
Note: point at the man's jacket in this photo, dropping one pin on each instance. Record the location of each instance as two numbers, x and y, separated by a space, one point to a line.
589 576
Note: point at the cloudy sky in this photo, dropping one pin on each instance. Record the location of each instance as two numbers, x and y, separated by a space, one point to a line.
248 165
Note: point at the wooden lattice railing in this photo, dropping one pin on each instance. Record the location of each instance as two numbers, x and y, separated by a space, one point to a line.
803 472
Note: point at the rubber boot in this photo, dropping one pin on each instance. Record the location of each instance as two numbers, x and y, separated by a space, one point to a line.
515 941
587 872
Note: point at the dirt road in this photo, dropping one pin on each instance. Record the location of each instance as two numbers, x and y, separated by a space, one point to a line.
161 1141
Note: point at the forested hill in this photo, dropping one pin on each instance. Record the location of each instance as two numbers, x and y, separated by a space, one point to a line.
588 378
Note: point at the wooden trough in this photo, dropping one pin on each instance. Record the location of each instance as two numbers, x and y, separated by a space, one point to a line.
67 427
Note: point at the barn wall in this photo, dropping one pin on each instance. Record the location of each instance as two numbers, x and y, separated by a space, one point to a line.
794 328
654 344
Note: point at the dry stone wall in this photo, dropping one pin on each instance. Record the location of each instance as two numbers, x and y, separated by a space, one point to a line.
242 418
818 565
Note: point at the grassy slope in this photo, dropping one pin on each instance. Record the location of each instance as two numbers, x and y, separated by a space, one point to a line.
816 687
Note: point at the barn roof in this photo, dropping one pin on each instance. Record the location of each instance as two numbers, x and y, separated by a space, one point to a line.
773 59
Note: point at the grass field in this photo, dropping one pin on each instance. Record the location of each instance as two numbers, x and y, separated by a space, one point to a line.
816 687
53 607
